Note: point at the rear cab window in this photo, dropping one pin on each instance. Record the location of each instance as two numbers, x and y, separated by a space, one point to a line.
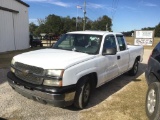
121 42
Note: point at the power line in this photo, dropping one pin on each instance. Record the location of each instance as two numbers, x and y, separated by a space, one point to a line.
114 8
89 10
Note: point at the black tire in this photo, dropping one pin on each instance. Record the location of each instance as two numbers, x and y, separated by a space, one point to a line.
34 45
134 69
41 45
152 104
83 93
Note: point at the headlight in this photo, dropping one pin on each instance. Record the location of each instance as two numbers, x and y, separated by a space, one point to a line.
12 62
12 69
52 82
56 78
55 73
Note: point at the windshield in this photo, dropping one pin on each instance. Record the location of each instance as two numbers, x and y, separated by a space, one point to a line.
85 43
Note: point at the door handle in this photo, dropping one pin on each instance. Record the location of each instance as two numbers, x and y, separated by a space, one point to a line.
118 57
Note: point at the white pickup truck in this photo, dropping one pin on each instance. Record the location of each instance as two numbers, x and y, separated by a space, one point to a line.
68 72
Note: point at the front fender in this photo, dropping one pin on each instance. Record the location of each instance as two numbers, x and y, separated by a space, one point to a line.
86 72
74 73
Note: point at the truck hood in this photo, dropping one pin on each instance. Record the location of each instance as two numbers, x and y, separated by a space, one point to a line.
52 58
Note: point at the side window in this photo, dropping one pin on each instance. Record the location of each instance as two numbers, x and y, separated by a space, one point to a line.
109 42
121 42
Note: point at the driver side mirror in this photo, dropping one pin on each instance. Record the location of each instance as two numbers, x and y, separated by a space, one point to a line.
109 51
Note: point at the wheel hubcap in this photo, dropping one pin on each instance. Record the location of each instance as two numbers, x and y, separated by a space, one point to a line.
151 103
86 92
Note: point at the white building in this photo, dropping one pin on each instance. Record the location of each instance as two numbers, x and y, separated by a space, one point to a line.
14 25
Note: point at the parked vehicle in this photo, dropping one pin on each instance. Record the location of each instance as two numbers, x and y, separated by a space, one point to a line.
35 41
78 63
152 75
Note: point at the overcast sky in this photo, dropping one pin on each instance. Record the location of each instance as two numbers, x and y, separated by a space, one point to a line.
126 14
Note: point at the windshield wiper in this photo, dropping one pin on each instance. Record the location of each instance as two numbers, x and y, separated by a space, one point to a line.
75 50
60 48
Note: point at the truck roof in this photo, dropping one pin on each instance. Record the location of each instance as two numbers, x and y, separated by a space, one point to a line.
93 32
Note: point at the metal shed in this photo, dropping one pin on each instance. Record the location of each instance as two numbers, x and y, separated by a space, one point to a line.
14 25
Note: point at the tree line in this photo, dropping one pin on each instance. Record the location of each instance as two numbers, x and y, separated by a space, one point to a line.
57 25
156 31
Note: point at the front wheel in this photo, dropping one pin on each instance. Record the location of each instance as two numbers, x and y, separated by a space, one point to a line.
134 69
82 93
152 104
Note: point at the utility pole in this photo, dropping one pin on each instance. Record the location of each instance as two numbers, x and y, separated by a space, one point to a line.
84 19
107 27
77 19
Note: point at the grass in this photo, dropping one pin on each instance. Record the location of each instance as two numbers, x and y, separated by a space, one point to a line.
125 99
6 57
130 40
126 104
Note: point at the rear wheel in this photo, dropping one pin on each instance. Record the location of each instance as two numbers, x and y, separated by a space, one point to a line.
134 69
153 101
82 93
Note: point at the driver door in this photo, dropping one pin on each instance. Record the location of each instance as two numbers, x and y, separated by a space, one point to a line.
110 61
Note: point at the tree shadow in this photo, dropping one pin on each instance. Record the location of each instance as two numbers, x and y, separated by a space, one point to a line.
3 75
2 118
106 90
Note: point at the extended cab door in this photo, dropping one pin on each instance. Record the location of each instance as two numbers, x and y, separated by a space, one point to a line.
110 61
122 54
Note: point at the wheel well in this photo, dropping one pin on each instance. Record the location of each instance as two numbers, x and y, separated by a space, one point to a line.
92 79
138 58
152 78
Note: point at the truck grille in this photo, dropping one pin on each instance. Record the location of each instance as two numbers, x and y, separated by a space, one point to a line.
29 73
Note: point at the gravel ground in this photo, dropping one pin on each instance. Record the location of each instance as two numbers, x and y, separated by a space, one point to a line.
13 106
